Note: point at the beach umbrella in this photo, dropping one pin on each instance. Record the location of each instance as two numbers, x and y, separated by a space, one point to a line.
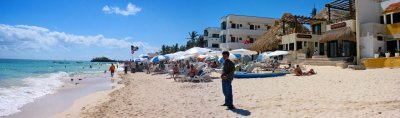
141 60
237 56
143 56
231 57
263 56
243 52
182 57
158 58
277 53
202 57
197 51
215 53
172 56
211 58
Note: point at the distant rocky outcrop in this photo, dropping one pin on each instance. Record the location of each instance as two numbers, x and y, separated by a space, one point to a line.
101 59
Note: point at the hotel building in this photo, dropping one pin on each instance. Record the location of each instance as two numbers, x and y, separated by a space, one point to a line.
211 38
236 29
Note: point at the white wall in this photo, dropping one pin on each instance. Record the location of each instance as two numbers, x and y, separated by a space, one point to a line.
369 45
369 11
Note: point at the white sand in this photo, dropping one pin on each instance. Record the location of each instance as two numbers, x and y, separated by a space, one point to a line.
333 92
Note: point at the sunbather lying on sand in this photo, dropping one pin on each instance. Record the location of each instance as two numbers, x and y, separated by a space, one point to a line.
298 72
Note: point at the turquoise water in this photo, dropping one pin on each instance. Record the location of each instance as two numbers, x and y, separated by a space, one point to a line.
22 81
12 71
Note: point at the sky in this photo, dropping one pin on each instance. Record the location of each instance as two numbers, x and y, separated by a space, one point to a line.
83 29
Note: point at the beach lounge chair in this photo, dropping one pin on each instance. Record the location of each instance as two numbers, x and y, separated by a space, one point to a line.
202 76
182 77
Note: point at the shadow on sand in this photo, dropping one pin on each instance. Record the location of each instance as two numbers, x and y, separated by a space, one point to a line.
242 112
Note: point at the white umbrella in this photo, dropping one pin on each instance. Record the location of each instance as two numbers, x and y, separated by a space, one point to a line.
141 60
243 52
182 57
215 53
157 58
143 56
277 53
231 57
197 51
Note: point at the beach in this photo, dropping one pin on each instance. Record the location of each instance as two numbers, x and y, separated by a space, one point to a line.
333 92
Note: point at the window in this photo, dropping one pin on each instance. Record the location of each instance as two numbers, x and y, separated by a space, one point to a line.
280 47
215 35
223 38
379 38
299 45
233 25
396 17
223 25
291 46
382 20
258 27
316 44
240 38
251 40
252 27
240 25
205 33
316 29
388 19
287 47
215 45
233 39
268 27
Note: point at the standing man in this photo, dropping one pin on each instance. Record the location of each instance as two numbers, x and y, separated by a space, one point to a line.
227 78
112 69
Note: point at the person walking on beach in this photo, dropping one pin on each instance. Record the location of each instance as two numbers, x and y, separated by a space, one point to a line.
112 69
227 78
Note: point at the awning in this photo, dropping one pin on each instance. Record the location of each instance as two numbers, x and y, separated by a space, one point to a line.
343 33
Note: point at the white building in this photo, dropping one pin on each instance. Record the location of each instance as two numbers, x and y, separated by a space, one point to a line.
211 38
379 22
235 29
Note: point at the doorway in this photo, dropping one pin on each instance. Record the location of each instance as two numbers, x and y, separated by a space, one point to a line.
391 47
321 49
332 49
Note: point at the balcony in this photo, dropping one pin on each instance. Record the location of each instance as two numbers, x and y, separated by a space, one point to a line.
232 46
243 31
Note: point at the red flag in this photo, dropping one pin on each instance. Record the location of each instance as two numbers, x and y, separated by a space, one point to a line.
246 41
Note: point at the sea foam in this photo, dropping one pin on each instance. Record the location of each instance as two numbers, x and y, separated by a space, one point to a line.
13 98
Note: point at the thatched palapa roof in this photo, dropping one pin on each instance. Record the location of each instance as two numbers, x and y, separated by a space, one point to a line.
335 14
273 37
343 33
395 7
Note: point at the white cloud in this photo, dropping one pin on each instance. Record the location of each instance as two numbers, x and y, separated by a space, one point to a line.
24 37
131 9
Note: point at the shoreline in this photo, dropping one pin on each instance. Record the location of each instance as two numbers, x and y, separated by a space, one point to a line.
90 100
64 96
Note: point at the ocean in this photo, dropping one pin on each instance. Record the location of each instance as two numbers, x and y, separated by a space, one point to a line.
22 81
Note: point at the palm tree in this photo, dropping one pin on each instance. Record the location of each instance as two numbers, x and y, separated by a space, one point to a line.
163 50
192 36
200 42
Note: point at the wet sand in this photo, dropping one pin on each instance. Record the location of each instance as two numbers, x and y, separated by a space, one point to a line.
54 103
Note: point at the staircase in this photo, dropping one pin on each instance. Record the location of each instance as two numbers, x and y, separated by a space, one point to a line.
323 61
